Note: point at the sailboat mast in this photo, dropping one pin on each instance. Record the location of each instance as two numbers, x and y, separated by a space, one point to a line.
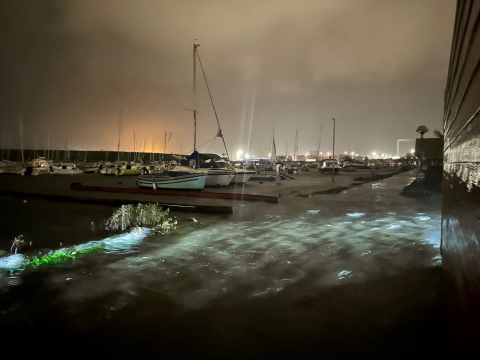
194 97
165 143
295 150
21 138
3 148
48 145
119 133
319 142
9 144
153 150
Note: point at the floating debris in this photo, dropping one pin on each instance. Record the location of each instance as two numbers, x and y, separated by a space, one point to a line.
16 243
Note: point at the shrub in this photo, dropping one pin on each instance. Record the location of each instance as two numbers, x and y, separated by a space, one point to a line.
141 215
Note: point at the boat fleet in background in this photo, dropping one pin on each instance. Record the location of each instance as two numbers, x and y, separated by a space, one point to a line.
192 172
181 173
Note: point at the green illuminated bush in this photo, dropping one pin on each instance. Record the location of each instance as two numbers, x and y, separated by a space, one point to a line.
62 255
141 215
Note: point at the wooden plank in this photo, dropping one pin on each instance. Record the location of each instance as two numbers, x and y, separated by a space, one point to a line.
207 209
190 193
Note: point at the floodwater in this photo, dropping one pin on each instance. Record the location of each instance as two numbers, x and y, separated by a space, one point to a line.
330 276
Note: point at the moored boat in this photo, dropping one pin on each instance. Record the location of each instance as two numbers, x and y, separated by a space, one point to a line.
38 166
127 170
330 165
242 176
67 169
349 167
165 181
12 167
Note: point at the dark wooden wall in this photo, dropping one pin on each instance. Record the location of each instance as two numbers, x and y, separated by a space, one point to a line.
461 176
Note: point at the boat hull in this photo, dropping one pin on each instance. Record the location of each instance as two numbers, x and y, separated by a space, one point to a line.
107 171
184 182
67 172
91 170
219 179
241 177
127 172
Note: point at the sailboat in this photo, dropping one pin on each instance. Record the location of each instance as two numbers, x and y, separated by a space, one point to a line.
39 166
219 172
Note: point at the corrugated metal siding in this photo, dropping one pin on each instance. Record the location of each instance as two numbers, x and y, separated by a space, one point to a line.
461 183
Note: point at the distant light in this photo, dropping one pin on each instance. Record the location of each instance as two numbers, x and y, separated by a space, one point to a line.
269 155
356 154
412 151
346 153
321 153
374 154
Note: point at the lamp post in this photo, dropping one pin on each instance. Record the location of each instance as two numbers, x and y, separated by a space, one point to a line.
333 152
421 130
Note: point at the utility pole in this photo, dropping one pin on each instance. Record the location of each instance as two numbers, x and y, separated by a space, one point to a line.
333 152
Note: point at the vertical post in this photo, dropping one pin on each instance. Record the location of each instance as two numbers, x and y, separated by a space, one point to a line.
3 148
421 152
333 152
9 144
21 139
119 133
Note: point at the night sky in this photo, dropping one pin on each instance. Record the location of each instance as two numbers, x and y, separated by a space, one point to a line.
379 67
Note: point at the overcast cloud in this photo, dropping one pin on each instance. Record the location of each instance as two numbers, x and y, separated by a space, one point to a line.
379 67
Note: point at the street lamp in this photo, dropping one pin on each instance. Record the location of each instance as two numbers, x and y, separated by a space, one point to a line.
421 130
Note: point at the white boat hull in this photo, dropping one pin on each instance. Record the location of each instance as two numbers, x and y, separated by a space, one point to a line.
241 177
186 182
219 179
37 171
67 172
108 171
91 170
